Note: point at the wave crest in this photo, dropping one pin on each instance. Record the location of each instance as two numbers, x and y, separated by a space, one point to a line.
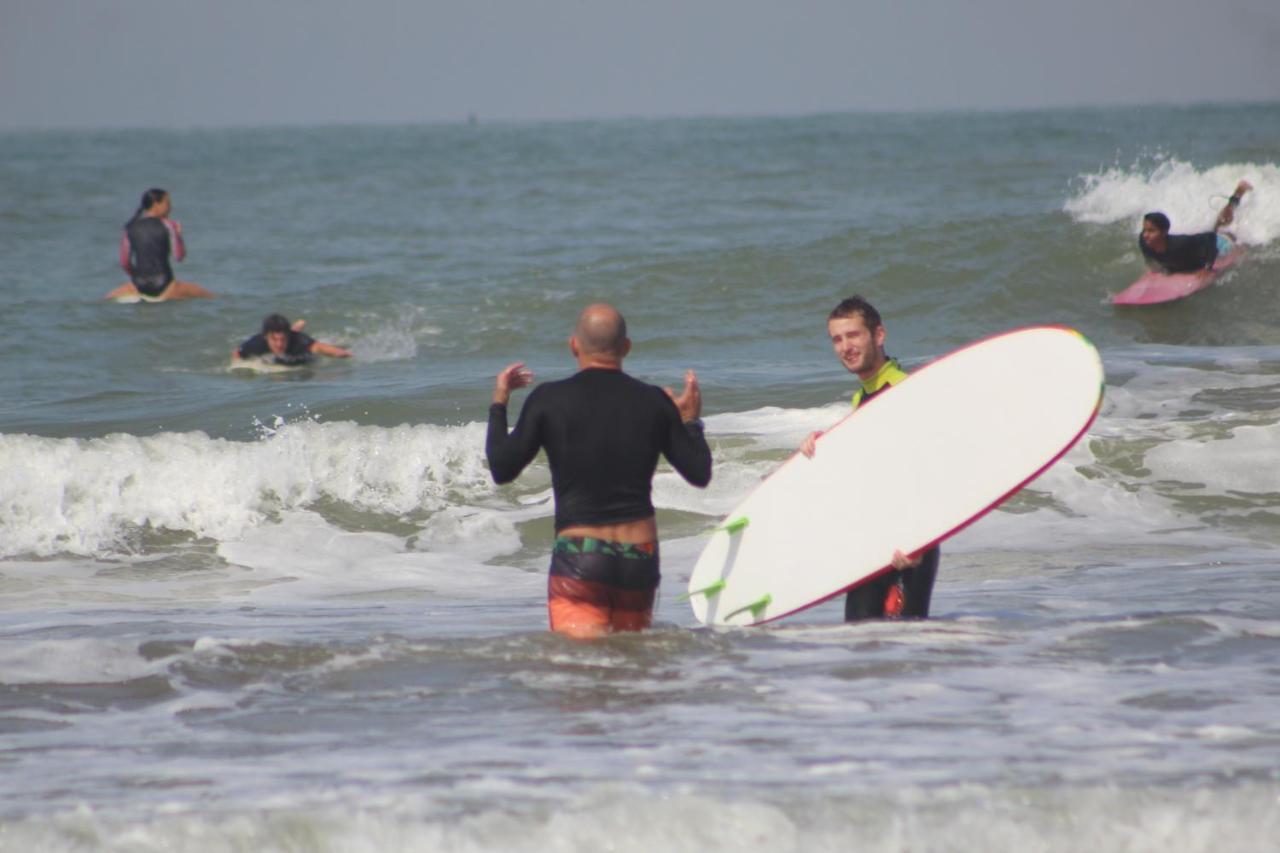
1189 197
85 496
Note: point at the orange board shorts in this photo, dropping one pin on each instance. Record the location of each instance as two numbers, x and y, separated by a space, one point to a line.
596 587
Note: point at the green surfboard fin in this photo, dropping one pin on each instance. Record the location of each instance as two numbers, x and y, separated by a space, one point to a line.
732 526
756 607
708 591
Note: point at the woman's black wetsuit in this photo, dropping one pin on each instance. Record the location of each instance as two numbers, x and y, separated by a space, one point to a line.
147 255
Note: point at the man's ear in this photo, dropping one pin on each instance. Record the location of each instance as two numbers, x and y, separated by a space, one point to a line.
573 346
626 347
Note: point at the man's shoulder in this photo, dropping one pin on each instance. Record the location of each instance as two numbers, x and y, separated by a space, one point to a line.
600 376
299 342
642 388
547 394
255 345
594 381
640 384
552 387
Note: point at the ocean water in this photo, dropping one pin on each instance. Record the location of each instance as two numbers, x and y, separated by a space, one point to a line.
290 611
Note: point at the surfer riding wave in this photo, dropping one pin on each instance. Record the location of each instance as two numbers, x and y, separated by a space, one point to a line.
1187 253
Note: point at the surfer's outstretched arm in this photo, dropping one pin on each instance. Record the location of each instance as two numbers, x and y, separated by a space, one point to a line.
1228 213
321 348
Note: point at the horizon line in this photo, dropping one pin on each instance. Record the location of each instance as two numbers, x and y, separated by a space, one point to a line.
473 119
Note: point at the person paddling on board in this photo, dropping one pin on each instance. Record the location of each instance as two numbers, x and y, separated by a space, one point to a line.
857 336
285 343
603 432
1187 253
149 239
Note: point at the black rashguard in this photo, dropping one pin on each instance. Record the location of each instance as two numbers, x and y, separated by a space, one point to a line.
297 351
1184 252
603 431
148 256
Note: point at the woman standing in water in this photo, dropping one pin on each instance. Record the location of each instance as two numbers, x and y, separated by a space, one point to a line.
148 240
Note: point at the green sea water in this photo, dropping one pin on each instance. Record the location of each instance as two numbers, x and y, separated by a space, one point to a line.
282 611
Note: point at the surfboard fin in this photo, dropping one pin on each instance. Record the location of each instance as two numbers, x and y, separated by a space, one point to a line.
756 607
708 591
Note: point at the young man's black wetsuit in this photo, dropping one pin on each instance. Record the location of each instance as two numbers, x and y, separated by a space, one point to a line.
915 585
603 431
148 255
877 598
1183 252
296 351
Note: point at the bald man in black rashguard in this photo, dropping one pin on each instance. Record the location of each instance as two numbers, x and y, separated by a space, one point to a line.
603 432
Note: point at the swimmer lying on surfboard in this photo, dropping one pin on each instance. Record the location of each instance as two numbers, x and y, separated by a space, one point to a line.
1184 253
282 343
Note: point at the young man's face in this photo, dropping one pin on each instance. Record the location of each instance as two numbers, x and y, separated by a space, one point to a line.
860 350
277 341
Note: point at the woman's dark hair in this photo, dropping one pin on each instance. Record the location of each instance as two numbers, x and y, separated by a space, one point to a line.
275 323
1159 220
151 197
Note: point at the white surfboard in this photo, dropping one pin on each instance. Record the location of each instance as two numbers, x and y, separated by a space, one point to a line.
910 467
256 364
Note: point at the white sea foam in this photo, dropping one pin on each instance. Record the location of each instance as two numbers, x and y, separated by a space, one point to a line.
377 339
778 428
1162 407
74 661
479 533
1189 197
318 559
88 496
1232 465
94 497
626 817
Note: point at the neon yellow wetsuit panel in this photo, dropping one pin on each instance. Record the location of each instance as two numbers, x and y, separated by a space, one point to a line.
890 373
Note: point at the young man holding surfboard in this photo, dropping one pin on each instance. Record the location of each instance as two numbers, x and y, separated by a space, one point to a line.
1184 253
603 432
857 336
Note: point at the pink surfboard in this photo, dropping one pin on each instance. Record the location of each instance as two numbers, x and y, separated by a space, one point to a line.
1156 287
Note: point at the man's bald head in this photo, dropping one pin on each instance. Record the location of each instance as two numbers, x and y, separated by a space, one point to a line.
601 332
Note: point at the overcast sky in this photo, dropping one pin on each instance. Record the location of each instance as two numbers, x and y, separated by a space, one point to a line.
179 63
